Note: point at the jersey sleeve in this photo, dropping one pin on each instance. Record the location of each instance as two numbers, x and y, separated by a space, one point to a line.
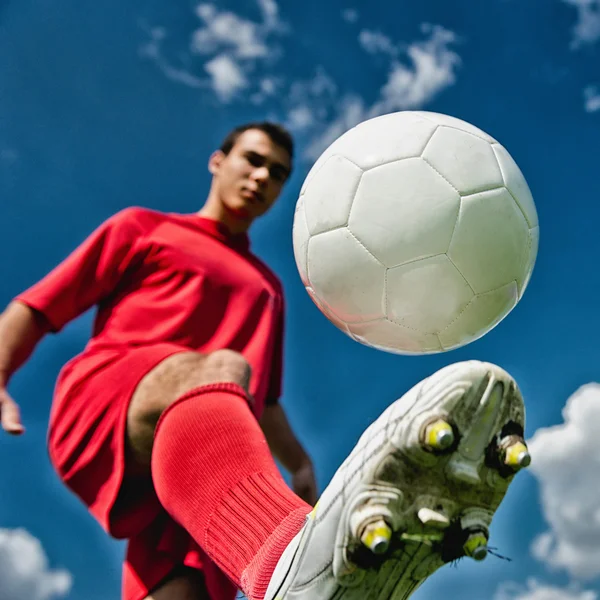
90 273
275 383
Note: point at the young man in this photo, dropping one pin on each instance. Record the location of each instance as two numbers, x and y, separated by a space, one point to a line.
155 426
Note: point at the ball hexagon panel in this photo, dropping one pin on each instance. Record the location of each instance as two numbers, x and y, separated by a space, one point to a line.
479 316
311 173
327 312
465 160
449 121
300 237
345 276
328 198
330 151
380 140
427 294
490 244
392 337
404 211
516 184
534 242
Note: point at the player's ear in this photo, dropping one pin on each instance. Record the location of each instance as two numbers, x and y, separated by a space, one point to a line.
215 160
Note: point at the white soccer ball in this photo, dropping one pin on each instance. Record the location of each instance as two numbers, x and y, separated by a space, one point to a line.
415 233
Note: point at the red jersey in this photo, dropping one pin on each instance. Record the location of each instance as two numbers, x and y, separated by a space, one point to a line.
159 277
162 283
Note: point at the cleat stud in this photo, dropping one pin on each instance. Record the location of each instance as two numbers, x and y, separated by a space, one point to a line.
516 455
480 553
438 436
377 536
432 518
476 546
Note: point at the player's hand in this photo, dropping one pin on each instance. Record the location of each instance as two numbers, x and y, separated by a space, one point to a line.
10 415
304 483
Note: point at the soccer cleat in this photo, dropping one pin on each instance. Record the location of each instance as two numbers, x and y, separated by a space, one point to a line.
419 490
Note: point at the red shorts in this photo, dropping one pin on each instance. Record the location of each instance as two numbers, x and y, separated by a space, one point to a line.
86 443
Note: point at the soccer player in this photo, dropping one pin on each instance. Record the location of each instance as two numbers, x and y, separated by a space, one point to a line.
166 424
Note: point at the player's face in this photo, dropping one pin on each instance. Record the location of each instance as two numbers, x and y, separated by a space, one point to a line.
251 176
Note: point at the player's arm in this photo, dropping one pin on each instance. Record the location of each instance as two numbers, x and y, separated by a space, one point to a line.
289 451
90 273
21 329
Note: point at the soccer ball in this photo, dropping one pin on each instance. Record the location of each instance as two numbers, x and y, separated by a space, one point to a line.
415 233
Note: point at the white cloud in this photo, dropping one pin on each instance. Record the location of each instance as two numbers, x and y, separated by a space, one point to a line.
226 31
269 85
375 41
587 28
429 66
319 87
586 32
350 112
537 591
267 88
236 44
310 101
591 95
151 51
432 70
270 14
227 76
229 48
350 15
24 571
300 117
229 53
566 463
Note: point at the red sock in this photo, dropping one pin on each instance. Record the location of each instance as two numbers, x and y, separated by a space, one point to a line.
213 472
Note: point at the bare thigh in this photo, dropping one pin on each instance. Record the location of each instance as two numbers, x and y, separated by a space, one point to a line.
186 584
163 385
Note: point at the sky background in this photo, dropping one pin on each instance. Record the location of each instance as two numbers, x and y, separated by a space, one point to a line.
109 104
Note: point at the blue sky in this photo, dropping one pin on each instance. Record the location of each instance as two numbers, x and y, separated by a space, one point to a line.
106 105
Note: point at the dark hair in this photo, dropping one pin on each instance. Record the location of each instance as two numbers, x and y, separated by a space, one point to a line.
278 134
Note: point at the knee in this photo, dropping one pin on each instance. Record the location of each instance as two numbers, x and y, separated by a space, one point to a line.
168 381
181 373
227 366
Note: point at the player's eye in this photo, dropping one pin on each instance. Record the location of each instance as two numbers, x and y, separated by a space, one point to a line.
278 175
255 160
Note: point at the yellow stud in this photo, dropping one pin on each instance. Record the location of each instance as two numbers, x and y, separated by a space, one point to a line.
476 546
517 456
377 537
439 435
